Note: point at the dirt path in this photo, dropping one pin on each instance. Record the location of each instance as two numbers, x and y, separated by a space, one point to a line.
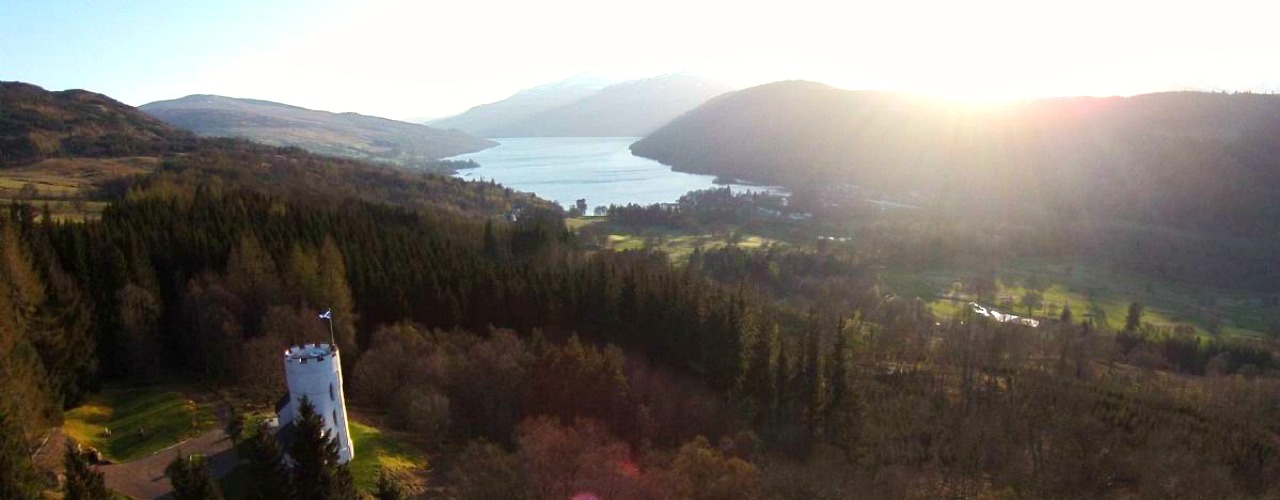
144 478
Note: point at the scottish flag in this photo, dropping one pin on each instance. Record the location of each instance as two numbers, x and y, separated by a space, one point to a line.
326 314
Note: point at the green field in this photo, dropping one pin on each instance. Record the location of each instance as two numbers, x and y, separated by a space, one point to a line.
1103 293
163 413
375 449
67 185
675 243
576 223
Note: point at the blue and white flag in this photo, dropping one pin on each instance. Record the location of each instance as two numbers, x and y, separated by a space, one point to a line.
326 314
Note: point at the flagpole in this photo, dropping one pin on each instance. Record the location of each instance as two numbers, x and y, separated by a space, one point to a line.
328 316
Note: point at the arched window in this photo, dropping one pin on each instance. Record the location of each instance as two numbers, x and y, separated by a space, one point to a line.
332 397
335 418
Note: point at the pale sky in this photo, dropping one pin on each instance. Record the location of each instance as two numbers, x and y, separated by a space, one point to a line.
425 58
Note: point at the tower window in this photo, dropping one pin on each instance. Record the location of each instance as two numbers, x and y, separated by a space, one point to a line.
335 418
331 395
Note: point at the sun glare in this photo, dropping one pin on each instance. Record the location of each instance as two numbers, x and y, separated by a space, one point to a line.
982 78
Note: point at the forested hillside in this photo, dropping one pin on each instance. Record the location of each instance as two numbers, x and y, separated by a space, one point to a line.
1192 161
532 368
349 135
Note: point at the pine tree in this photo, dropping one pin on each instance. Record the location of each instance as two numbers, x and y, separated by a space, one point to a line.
266 467
24 395
491 249
253 275
1134 319
17 478
839 367
83 483
335 294
316 473
782 394
192 478
758 380
68 347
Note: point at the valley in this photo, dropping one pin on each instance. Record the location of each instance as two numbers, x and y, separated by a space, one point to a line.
685 339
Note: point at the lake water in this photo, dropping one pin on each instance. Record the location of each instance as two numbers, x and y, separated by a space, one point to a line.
600 169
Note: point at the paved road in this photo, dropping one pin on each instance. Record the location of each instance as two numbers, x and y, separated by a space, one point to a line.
144 478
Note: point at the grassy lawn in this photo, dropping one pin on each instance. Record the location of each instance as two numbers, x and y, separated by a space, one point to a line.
375 449
165 415
1103 293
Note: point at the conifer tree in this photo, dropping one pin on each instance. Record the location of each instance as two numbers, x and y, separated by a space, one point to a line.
192 478
83 482
335 294
757 381
17 478
68 347
316 473
24 395
491 249
1134 318
266 467
252 274
782 383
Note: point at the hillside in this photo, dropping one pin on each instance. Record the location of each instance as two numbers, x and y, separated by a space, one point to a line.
1185 160
348 135
37 124
626 109
76 150
485 119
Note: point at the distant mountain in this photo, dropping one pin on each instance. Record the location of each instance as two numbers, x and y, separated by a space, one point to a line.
338 134
80 145
1185 159
486 120
37 124
631 108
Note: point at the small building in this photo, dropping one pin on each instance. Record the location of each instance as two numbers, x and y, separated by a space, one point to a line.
315 371
1002 317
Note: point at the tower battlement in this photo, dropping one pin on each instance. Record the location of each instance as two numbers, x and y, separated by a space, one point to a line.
304 353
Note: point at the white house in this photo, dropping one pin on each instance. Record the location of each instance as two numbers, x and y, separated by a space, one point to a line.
1002 317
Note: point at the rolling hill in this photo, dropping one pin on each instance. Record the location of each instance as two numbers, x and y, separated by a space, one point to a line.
348 135
37 124
77 150
627 109
1200 161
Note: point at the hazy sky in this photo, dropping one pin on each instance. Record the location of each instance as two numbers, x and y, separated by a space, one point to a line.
430 58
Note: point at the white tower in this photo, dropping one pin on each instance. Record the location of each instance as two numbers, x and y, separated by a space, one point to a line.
315 371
